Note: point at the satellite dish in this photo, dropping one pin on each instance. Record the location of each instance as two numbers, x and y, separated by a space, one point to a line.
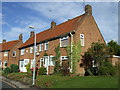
31 27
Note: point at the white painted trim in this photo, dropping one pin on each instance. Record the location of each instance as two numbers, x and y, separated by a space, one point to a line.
63 38
82 44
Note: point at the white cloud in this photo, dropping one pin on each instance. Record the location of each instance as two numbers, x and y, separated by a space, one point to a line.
13 33
58 11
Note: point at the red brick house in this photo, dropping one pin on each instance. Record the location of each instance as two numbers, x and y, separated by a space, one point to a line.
9 52
83 28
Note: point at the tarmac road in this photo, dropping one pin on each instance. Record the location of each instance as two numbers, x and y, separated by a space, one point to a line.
6 86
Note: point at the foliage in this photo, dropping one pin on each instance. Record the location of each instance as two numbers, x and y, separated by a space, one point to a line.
65 69
74 57
99 54
114 48
14 68
7 70
45 54
57 67
28 69
42 71
107 69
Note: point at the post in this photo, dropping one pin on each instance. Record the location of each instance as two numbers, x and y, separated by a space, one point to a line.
34 60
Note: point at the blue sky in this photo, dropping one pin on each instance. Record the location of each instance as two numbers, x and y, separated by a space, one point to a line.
17 16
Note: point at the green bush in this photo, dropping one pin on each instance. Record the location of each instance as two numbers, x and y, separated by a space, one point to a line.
7 70
14 68
107 69
65 69
42 71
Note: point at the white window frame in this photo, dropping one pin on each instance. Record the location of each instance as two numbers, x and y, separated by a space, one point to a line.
31 49
32 63
5 63
46 44
15 53
41 60
51 62
6 53
22 51
41 47
63 38
82 41
65 58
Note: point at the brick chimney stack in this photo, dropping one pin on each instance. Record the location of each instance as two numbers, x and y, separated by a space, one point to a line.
4 40
20 37
32 33
88 10
53 24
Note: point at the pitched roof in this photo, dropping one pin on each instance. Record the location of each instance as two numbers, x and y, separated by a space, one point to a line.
8 45
58 30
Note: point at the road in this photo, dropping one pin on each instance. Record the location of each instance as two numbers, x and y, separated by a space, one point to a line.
4 85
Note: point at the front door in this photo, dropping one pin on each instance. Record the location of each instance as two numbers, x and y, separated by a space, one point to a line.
22 65
46 62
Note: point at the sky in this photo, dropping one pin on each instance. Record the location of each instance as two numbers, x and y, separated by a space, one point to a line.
18 16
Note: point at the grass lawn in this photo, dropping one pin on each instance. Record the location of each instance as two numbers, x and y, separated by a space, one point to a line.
57 81
89 82
77 81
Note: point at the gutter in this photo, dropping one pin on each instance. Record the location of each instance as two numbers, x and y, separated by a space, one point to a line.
71 46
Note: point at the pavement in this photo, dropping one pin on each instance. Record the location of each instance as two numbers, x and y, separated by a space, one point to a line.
17 85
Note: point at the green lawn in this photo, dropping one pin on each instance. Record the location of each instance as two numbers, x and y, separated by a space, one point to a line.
89 82
57 81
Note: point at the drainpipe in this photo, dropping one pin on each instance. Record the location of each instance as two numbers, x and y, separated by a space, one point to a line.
71 46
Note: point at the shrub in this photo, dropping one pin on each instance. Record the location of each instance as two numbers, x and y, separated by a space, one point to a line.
14 68
65 69
7 70
107 69
42 71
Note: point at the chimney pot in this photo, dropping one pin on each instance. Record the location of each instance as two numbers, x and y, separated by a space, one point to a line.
88 9
53 24
32 33
20 37
4 40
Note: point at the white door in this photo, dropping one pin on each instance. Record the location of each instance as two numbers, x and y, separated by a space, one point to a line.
46 62
22 65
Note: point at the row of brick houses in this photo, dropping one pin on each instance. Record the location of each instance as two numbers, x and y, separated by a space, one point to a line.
83 28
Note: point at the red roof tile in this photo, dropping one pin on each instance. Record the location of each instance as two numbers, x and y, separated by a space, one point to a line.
58 30
8 45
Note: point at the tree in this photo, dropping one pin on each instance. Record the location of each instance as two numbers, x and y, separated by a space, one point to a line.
74 57
57 59
114 48
98 56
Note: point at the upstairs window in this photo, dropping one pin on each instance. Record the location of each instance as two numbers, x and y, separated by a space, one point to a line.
41 47
31 49
14 54
22 51
46 45
64 41
82 39
6 53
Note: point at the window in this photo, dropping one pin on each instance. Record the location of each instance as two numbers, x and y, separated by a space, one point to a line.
46 46
41 47
14 54
31 49
82 39
41 62
64 41
0 63
64 58
22 51
5 63
6 53
51 62
32 63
